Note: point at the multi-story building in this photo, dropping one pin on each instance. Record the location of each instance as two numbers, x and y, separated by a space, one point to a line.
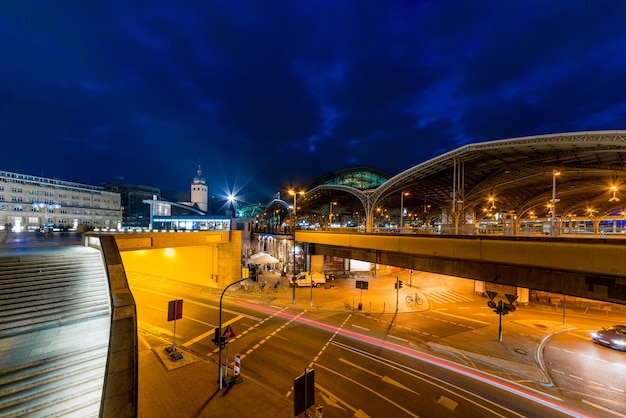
135 213
29 202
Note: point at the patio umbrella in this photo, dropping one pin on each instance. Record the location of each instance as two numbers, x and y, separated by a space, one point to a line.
263 258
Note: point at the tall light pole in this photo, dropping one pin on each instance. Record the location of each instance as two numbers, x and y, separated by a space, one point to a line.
218 336
46 207
553 229
295 195
402 194
232 199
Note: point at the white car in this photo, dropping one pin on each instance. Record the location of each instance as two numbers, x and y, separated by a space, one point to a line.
308 279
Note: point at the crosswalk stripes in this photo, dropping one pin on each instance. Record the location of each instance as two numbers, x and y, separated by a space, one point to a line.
447 297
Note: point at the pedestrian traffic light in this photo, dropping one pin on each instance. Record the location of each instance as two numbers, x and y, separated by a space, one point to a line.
498 309
400 284
217 338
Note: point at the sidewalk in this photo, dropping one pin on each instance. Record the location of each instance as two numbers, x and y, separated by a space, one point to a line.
189 388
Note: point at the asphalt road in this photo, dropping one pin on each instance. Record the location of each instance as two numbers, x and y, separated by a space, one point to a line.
380 365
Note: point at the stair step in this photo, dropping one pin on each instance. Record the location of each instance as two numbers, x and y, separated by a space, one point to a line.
35 297
54 397
58 362
24 277
18 390
54 328
28 326
18 306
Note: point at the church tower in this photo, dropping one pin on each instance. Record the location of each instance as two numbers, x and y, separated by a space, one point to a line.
199 191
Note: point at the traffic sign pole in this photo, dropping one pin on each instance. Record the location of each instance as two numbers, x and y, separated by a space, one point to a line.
220 372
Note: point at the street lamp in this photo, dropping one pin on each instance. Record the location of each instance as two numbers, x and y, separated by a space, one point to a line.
46 207
614 198
295 195
232 204
402 194
218 336
553 229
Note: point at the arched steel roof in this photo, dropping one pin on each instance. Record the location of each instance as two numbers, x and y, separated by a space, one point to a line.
517 173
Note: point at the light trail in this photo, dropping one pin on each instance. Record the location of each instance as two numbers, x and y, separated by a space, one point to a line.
456 368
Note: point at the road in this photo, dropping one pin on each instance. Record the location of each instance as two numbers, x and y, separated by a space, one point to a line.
381 365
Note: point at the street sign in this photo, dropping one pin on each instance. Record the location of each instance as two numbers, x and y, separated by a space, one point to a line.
511 298
237 366
491 294
362 284
303 392
229 333
174 310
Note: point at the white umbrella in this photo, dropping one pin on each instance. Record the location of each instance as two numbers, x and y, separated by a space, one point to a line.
263 258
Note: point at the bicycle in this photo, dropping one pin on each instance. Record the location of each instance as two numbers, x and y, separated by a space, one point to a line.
261 287
274 288
413 299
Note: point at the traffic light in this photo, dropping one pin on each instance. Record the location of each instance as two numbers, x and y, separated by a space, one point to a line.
493 306
395 285
219 339
507 307
400 284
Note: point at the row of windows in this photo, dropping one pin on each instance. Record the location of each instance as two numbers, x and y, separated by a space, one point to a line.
75 211
45 182
67 221
51 194
62 203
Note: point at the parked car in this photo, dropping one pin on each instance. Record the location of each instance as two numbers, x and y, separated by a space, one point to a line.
614 337
307 278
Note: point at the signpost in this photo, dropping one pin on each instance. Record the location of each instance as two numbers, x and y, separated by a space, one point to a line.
174 312
219 339
303 392
362 284
501 308
228 334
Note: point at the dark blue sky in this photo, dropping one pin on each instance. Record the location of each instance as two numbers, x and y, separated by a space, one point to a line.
266 95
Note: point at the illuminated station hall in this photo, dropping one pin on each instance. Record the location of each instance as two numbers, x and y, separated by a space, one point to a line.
538 216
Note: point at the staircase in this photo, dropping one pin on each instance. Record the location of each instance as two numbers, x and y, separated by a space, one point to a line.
54 331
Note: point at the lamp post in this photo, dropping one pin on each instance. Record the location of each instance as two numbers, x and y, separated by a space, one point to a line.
402 194
330 216
219 334
295 207
232 199
553 229
46 207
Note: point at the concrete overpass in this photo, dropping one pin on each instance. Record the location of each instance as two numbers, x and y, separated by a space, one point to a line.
589 268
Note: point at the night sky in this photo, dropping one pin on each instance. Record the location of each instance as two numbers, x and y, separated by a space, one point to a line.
268 95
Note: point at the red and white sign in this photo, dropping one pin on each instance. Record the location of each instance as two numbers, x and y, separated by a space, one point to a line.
229 333
237 366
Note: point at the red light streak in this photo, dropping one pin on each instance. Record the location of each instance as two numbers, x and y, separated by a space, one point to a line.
456 368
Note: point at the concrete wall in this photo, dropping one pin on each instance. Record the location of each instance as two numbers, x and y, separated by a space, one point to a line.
204 258
587 268
119 398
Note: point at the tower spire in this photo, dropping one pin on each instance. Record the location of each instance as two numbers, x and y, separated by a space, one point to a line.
200 191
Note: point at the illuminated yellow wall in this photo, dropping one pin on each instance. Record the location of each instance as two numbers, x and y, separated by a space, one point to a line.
187 264
211 264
